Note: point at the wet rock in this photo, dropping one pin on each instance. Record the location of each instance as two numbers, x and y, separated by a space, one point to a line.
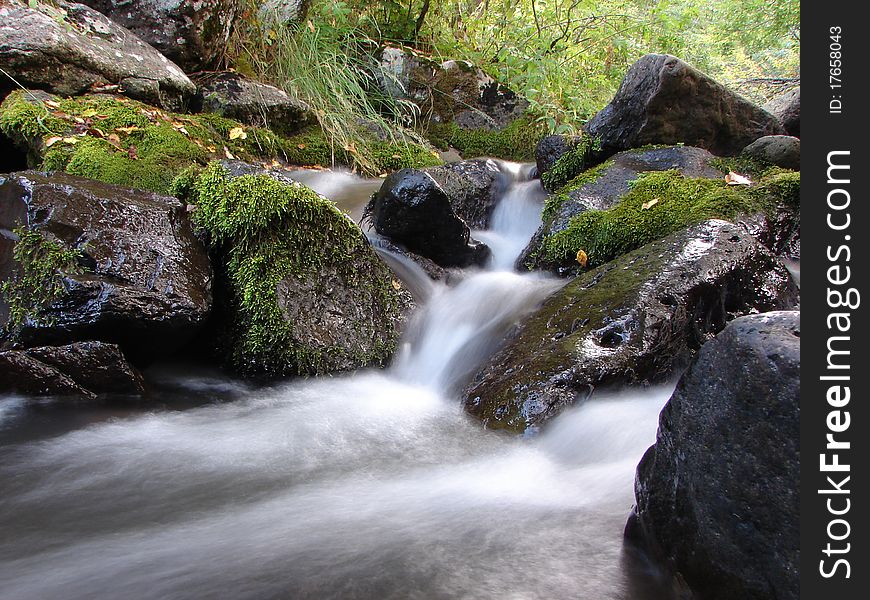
71 49
787 108
191 33
143 280
551 148
717 495
236 97
430 211
604 187
780 150
80 369
663 100
633 319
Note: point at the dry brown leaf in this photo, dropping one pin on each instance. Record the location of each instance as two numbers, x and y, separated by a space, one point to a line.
650 204
52 104
300 146
97 132
582 258
114 140
52 141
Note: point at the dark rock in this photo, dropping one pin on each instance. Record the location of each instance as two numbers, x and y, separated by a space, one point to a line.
236 97
450 91
633 319
787 108
71 49
81 369
551 148
717 495
610 182
191 33
663 100
429 211
780 150
145 280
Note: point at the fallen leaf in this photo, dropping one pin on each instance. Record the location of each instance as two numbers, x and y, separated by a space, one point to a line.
733 178
129 129
396 156
228 154
310 26
582 258
114 140
301 146
396 285
79 120
90 113
238 133
650 204
52 141
52 104
96 132
71 140
211 148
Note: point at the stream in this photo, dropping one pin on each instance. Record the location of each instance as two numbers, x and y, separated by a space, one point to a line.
373 485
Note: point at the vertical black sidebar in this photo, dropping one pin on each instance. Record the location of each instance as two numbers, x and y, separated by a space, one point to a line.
835 261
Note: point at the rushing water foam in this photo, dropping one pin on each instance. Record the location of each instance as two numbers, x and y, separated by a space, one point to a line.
370 486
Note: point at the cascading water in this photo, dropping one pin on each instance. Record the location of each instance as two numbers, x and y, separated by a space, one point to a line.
369 486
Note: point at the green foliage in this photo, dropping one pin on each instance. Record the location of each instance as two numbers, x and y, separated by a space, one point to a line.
572 163
267 231
516 142
43 264
679 202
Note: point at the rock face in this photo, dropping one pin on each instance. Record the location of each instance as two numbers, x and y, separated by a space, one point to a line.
144 279
663 100
632 319
430 211
727 522
609 183
70 49
191 33
81 369
234 96
780 150
787 108
453 90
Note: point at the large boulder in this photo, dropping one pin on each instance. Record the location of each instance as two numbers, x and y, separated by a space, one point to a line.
81 369
191 33
780 150
663 100
717 495
787 108
85 260
634 319
71 49
431 211
300 290
236 97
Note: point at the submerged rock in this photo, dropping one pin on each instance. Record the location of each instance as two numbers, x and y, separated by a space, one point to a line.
71 49
431 211
123 265
236 97
191 33
634 319
663 100
787 108
81 369
717 495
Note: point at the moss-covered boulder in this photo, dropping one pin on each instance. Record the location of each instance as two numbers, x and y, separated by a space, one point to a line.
663 100
82 369
191 33
633 319
431 211
718 494
642 195
118 140
301 290
70 49
84 260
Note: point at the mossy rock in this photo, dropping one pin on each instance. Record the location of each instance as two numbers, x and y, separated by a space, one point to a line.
304 292
634 319
121 141
643 195
516 141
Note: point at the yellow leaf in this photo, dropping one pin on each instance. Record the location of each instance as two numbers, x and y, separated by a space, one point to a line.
70 140
396 285
52 141
582 258
733 178
52 104
237 133
89 113
130 129
650 204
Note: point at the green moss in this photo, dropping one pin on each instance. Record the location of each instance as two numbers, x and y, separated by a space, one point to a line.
266 232
516 142
572 163
43 264
555 201
677 203
23 115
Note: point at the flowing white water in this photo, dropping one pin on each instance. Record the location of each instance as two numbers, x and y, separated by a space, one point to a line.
370 486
